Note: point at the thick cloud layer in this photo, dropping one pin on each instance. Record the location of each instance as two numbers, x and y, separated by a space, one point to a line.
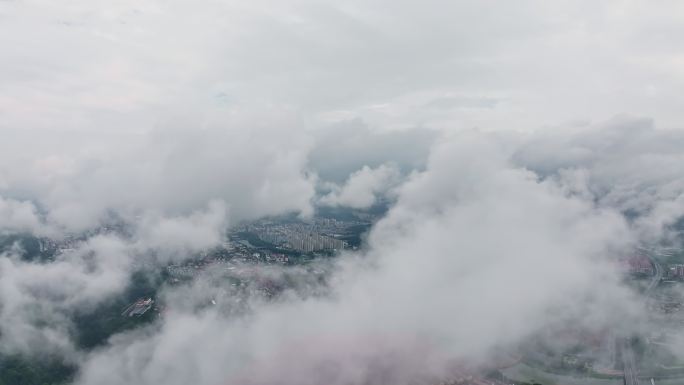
446 278
172 172
487 210
625 163
91 65
175 120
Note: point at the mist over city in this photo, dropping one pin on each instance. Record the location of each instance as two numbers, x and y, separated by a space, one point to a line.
296 192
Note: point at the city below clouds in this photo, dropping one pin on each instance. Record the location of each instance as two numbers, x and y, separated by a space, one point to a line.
369 192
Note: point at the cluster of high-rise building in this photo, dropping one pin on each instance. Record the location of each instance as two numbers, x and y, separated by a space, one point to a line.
676 271
297 236
308 242
639 264
58 246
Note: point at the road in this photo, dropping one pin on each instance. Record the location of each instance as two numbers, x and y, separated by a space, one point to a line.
657 276
629 364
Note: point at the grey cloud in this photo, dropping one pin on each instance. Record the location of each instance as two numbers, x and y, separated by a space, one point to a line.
448 102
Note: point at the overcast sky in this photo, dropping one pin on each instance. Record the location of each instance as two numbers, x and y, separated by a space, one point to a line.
134 65
509 137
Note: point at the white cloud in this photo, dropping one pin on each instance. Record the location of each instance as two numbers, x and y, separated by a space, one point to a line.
363 187
173 172
185 235
446 278
19 216
625 163
37 299
179 119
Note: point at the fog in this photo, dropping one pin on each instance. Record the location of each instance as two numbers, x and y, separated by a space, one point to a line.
522 150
